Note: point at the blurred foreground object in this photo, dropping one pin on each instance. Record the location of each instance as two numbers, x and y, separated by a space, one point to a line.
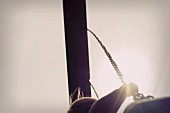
112 102
159 105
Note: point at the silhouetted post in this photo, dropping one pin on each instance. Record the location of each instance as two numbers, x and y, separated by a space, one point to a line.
76 46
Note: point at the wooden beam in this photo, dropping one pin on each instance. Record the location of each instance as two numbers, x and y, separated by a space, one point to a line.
76 46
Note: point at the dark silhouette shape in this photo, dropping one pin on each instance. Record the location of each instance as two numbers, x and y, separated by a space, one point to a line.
159 105
108 104
76 46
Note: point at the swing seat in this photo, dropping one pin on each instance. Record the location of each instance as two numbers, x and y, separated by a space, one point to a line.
159 105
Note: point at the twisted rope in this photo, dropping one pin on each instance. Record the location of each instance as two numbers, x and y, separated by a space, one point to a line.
115 66
138 96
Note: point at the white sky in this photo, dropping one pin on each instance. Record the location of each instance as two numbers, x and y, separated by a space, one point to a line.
33 74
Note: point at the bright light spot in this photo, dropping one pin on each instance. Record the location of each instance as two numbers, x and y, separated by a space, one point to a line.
135 68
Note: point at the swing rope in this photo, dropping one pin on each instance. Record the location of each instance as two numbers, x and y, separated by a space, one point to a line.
137 96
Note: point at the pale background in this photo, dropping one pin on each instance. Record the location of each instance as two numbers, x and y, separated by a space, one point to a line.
33 74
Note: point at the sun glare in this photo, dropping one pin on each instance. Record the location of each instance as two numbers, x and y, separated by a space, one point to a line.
135 68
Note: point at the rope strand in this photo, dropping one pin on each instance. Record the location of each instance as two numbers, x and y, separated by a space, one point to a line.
138 96
115 66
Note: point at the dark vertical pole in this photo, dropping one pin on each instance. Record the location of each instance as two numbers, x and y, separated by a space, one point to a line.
76 46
